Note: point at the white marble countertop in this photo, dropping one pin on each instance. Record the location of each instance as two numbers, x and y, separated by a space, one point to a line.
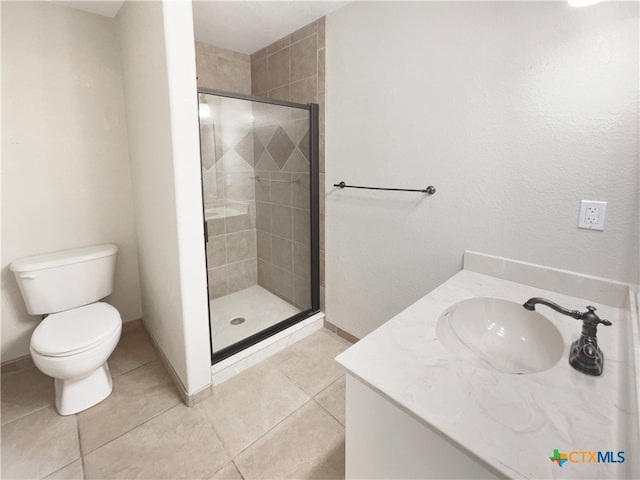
510 424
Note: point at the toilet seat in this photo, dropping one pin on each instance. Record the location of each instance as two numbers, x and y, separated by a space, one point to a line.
76 330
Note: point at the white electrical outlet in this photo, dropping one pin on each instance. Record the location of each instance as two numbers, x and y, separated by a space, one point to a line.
592 214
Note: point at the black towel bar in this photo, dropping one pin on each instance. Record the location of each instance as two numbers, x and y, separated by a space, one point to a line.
429 190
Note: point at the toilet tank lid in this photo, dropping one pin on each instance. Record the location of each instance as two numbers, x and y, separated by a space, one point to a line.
65 257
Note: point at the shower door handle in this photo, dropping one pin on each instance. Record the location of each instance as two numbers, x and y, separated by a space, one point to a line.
206 232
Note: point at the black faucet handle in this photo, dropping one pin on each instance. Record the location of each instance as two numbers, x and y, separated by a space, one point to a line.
585 355
595 319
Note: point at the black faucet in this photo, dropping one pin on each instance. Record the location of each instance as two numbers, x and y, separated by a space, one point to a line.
585 355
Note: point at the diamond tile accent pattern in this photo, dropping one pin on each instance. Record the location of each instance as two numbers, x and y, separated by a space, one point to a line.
301 80
280 147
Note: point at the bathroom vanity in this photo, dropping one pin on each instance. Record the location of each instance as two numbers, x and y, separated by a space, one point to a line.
421 406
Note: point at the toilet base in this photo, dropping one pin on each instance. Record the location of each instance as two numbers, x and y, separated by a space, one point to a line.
77 394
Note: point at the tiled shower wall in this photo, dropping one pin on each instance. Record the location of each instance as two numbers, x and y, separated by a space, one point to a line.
290 69
282 202
221 69
228 173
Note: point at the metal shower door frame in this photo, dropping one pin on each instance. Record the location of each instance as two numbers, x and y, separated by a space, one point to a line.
314 193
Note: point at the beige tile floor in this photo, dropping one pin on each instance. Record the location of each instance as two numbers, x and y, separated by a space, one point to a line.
283 418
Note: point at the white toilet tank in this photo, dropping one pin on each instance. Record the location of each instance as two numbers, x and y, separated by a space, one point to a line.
58 281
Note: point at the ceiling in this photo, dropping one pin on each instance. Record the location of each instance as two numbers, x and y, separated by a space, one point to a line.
108 8
247 27
241 26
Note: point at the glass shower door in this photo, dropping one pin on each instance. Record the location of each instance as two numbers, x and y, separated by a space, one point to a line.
259 174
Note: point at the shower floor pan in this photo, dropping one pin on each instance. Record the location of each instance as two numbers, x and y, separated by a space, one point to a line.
257 306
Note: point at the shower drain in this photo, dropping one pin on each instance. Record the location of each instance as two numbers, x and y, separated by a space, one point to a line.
237 320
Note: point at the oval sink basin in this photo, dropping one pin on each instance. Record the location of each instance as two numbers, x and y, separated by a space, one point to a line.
500 335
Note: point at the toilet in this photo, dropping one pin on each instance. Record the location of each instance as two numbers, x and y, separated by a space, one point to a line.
78 333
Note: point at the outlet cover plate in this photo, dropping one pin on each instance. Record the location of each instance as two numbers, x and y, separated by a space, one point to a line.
592 214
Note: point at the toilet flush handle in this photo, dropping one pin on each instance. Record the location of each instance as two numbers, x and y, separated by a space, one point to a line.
28 276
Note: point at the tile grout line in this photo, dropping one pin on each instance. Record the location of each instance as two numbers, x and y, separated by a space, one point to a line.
328 412
226 448
209 422
13 373
238 468
3 425
310 399
52 404
275 366
133 428
286 46
122 374
80 449
234 263
274 426
63 467
323 407
291 82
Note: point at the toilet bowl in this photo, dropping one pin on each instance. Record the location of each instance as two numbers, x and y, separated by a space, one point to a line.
78 333
64 348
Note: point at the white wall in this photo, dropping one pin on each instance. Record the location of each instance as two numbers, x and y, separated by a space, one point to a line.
65 165
514 111
158 57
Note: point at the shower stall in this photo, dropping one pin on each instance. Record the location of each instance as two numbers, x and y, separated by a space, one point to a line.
260 184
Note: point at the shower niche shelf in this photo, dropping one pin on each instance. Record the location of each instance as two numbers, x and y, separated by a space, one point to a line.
225 211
